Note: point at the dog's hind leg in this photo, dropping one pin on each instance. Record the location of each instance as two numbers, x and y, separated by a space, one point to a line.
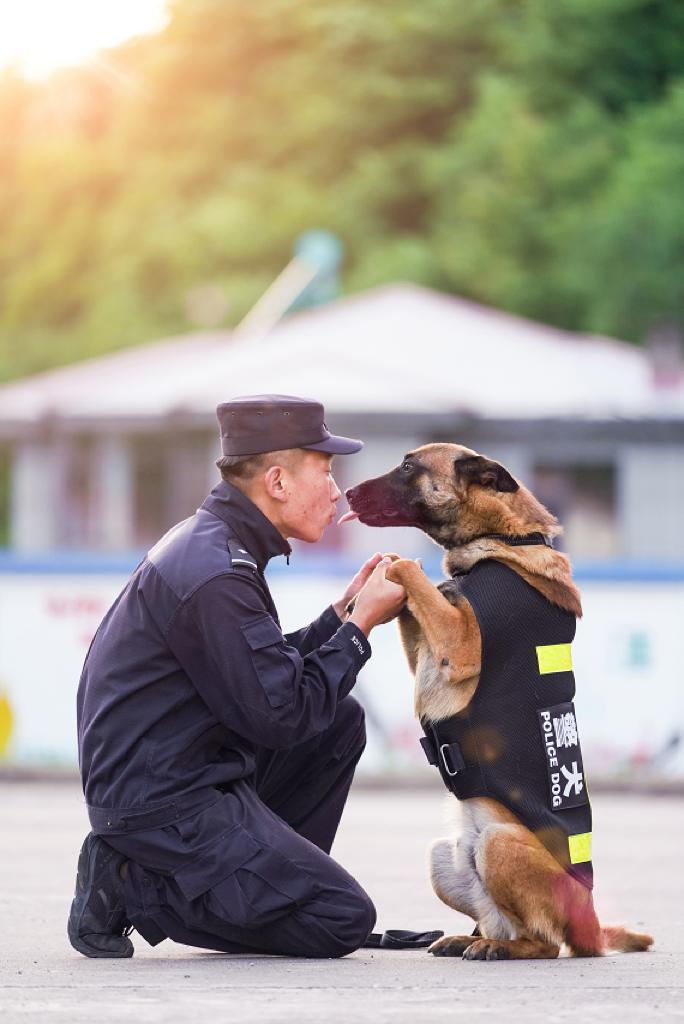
550 907
456 883
453 879
532 889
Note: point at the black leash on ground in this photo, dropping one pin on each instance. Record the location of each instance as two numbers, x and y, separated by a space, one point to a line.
399 938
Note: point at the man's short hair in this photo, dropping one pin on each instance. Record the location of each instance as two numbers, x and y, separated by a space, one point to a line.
244 468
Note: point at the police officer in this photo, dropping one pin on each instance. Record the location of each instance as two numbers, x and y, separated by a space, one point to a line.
216 753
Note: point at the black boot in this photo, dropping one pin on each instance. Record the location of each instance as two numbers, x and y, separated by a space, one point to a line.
97 925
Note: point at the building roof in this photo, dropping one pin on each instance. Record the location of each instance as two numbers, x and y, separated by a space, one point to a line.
395 349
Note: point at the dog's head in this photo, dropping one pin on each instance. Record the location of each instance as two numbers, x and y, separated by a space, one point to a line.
451 493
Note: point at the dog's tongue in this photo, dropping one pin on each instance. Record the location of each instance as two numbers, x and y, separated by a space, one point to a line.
347 517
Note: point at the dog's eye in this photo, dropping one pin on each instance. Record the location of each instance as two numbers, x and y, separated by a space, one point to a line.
406 467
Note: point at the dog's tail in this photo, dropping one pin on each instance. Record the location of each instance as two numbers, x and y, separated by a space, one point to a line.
615 937
587 937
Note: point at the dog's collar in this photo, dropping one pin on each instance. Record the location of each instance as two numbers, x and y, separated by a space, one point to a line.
516 541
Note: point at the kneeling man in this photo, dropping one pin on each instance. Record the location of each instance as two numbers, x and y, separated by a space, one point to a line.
216 753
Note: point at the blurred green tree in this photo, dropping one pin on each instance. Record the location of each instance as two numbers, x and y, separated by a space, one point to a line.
522 153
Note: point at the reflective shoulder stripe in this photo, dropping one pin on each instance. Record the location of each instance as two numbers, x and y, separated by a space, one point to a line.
580 848
554 658
240 555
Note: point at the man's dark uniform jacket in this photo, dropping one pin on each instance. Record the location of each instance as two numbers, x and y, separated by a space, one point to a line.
189 671
187 686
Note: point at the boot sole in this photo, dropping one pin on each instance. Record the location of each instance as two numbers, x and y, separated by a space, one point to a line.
93 952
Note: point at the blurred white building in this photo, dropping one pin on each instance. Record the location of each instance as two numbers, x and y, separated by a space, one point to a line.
106 454
102 457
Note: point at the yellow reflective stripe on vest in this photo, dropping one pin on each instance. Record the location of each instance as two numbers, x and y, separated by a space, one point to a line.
580 848
554 658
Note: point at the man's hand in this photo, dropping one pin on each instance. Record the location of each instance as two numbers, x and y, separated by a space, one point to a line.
379 600
356 584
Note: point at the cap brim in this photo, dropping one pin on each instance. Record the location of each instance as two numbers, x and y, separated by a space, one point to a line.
335 445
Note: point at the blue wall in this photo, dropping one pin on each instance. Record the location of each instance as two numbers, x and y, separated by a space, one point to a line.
123 563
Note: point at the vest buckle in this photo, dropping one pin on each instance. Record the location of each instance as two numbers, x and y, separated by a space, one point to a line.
454 763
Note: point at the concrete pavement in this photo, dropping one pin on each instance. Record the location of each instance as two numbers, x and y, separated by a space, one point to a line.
638 863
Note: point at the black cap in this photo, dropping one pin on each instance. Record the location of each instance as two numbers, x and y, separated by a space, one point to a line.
253 424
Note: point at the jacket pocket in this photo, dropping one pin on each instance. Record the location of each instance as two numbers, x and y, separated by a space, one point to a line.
274 662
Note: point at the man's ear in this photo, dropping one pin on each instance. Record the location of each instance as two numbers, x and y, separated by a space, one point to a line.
273 483
475 469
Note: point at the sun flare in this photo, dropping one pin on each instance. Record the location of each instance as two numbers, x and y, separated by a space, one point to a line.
40 36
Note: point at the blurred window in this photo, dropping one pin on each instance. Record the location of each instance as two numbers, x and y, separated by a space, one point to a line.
77 526
584 498
171 478
192 474
5 502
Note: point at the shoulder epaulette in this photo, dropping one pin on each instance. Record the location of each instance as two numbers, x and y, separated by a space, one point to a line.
240 555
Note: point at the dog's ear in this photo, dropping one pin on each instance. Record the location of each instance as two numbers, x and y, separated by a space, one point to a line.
475 469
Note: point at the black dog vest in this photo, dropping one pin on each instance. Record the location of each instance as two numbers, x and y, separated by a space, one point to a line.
517 740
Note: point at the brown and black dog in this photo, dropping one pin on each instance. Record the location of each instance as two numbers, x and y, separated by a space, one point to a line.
525 902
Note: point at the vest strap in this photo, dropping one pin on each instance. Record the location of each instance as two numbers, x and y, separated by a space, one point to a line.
427 743
445 754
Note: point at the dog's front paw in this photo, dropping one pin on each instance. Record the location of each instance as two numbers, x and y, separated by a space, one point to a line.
487 949
403 571
451 945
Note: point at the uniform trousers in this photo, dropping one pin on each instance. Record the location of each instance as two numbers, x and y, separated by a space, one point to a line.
251 873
